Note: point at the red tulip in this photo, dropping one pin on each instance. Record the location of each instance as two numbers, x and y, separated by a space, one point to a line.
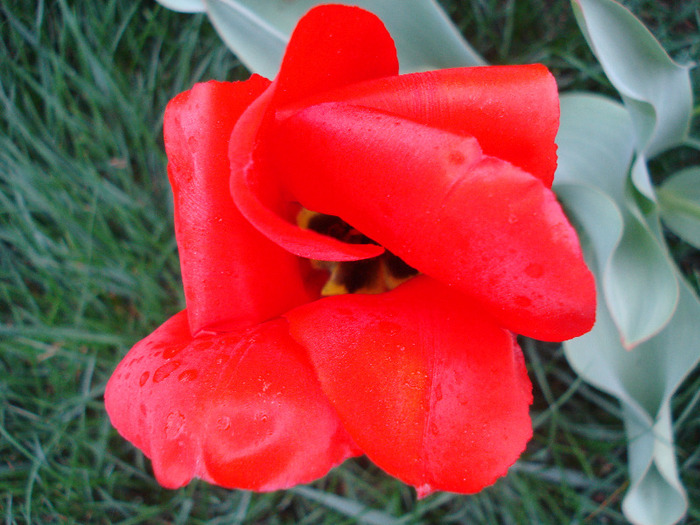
262 384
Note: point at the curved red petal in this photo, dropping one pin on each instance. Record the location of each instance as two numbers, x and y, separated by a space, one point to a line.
256 193
432 198
332 46
430 388
232 275
513 111
241 410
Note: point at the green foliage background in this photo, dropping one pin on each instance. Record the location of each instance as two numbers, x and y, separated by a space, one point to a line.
88 266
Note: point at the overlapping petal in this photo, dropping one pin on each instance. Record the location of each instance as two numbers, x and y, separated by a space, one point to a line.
513 111
256 194
241 409
433 390
435 200
386 156
222 289
228 407
331 47
322 55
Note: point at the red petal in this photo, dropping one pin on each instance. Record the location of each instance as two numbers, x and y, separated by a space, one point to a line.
232 275
256 192
333 46
513 111
432 198
242 410
431 389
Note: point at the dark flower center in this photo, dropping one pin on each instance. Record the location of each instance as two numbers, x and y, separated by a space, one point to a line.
375 275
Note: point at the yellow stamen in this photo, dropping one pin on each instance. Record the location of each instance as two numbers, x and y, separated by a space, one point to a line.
369 276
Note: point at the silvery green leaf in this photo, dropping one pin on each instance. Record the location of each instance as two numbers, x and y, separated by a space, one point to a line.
641 178
258 41
598 221
656 494
257 31
641 287
184 6
595 143
679 202
644 381
656 90
596 146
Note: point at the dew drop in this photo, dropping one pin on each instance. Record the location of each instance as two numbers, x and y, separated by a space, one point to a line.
456 157
438 393
424 491
165 370
188 375
389 328
523 301
144 378
172 352
434 429
534 270
223 423
174 424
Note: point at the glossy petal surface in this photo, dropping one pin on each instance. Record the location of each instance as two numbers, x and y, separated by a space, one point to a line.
512 111
333 46
432 390
222 288
435 200
257 194
324 53
240 410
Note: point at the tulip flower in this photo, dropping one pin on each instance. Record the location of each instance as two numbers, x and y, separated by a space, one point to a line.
358 249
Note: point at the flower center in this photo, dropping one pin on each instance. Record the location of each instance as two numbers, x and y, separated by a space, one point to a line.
371 276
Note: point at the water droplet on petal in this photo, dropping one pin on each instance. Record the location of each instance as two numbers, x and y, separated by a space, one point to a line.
144 378
223 423
188 375
165 370
534 270
172 352
174 424
456 157
424 490
389 328
523 301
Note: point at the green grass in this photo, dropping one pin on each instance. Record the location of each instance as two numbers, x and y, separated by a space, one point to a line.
88 266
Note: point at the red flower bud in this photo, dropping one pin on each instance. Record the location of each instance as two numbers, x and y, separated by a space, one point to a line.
261 383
